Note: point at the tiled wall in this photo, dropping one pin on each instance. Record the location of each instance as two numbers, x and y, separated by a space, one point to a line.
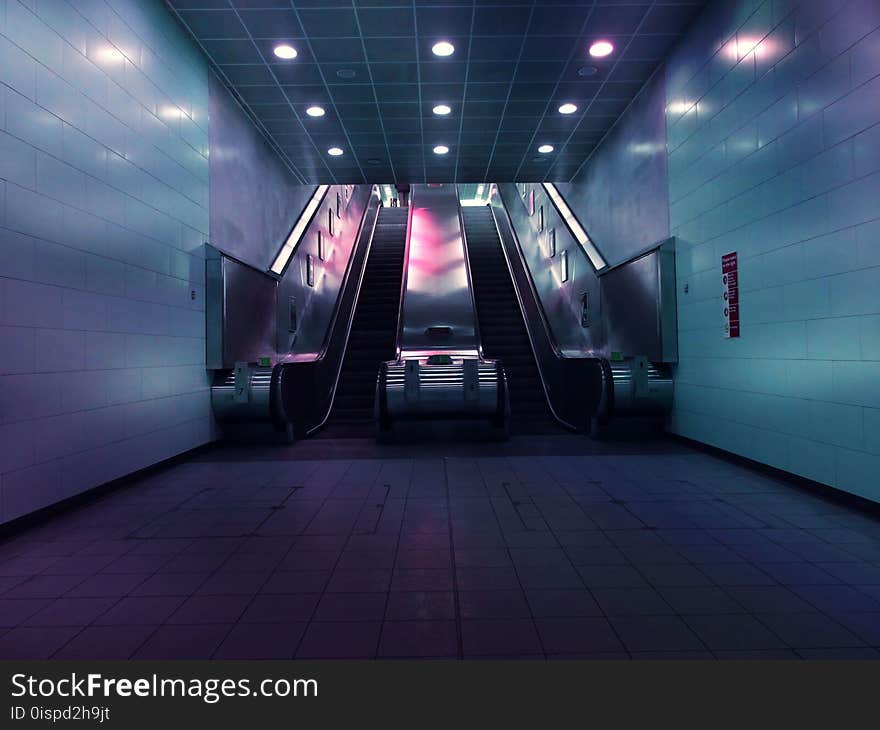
774 152
103 215
621 192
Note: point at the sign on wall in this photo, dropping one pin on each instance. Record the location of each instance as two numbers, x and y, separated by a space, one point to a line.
730 294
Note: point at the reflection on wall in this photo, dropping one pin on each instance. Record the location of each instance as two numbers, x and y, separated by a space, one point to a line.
103 218
620 194
255 199
773 142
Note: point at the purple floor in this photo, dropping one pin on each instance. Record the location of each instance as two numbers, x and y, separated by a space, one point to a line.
546 547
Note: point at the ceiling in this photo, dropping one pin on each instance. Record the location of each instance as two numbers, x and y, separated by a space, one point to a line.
515 62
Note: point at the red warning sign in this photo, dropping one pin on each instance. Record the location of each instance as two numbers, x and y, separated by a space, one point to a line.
730 294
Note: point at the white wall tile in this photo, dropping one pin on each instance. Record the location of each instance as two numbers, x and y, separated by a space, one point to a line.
95 269
810 287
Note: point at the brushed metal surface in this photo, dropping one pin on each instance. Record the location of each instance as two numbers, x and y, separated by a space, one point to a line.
464 388
572 381
243 395
437 312
636 296
560 300
248 312
638 301
240 311
641 388
316 304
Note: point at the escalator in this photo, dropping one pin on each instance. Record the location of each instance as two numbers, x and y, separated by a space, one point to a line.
374 328
502 331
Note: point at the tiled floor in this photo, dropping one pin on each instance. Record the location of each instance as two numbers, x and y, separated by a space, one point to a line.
551 547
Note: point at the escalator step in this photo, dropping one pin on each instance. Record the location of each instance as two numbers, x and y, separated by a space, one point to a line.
372 337
502 330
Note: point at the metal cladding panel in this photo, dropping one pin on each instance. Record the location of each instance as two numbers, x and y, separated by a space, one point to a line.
328 242
638 303
241 312
438 309
560 299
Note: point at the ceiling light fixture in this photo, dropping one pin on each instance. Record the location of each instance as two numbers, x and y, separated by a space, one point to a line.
441 149
315 111
600 49
545 149
568 108
334 151
284 51
587 71
442 109
346 73
443 48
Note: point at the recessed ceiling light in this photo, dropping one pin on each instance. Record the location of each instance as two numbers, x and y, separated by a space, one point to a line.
441 149
539 159
600 49
346 73
284 51
587 71
442 109
443 48
334 151
545 148
374 161
315 111
568 109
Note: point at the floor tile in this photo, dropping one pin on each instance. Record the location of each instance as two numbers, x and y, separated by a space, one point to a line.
283 609
734 632
261 641
656 633
420 605
561 603
183 642
493 604
351 607
500 637
210 610
631 602
419 639
30 642
70 612
700 600
577 635
611 576
147 610
106 642
810 631
340 640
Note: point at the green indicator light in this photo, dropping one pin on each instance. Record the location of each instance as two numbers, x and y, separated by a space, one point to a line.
265 362
616 356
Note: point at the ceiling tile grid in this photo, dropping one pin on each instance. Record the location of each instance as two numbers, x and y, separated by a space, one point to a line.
369 65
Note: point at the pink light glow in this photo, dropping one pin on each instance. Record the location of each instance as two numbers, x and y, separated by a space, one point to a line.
430 257
600 49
